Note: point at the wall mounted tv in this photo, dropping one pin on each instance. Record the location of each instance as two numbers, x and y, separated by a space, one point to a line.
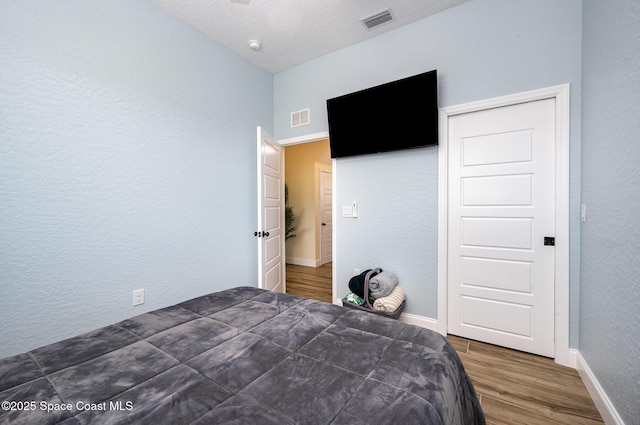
402 114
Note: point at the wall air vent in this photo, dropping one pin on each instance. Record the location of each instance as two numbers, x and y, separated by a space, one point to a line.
377 19
302 117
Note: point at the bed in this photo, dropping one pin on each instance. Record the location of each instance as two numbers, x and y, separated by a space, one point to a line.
242 356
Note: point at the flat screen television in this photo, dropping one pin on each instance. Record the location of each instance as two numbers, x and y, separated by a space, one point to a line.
402 114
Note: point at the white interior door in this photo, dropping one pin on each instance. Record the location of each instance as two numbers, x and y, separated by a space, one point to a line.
270 233
501 208
326 219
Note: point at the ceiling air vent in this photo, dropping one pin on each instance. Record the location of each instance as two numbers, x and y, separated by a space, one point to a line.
377 19
299 118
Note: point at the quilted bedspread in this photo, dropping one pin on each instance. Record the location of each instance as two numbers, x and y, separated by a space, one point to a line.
242 356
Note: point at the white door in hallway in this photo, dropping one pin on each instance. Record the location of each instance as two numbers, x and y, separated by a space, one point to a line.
326 219
270 233
501 215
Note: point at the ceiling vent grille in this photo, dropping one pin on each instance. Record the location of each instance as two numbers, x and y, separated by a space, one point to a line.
376 19
302 117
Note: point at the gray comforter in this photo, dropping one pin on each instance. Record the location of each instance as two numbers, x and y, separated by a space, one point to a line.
242 356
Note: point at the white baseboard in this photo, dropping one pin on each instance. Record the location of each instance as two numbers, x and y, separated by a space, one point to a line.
571 359
411 319
421 321
608 412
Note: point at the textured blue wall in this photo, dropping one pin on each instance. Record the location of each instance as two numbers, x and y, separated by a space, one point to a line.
610 302
127 144
481 49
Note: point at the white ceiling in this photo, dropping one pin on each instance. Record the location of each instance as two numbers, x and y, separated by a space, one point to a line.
295 31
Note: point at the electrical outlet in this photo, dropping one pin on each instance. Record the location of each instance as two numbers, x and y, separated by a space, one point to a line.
356 272
138 297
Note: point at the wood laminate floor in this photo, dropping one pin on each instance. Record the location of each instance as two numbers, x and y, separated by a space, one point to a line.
521 388
514 388
310 282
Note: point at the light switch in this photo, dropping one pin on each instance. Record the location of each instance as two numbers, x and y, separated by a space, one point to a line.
347 211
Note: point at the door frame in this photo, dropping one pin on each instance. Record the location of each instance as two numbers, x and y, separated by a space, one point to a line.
314 137
561 94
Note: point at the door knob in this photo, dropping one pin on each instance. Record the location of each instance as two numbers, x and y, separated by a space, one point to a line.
324 224
265 233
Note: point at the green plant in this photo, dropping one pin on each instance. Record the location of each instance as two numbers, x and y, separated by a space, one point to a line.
289 216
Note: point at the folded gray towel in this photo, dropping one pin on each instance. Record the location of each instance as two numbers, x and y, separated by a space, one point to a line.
382 284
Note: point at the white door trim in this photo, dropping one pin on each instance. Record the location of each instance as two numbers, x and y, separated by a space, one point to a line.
304 139
561 94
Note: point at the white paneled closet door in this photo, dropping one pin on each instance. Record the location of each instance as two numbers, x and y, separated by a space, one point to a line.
501 226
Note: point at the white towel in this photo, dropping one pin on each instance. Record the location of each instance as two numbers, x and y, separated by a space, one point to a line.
391 302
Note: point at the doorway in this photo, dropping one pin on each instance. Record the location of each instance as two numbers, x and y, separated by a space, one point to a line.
309 248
